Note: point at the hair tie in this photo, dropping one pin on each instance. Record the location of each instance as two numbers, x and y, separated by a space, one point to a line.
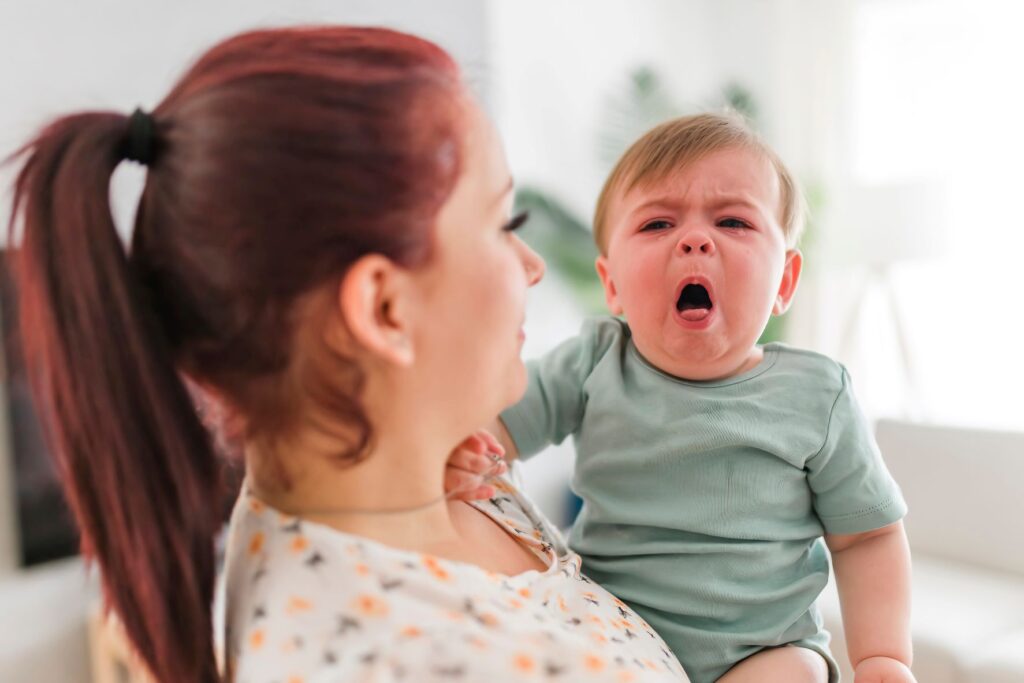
141 141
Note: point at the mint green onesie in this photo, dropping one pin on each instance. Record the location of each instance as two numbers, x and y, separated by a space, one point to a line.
705 502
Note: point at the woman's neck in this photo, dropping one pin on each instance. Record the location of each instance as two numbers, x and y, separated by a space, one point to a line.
394 495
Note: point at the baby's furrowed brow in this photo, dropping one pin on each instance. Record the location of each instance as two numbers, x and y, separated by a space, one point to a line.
734 200
668 203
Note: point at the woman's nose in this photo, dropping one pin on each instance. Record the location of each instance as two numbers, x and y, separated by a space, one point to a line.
533 264
697 241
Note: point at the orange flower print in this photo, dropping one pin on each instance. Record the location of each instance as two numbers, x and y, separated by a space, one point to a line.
599 638
593 663
488 619
515 603
524 663
257 638
411 632
478 642
256 506
297 605
626 677
434 567
256 543
561 604
370 606
596 621
525 592
362 569
296 679
299 544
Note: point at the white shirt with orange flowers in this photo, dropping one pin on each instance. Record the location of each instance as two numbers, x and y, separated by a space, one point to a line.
309 604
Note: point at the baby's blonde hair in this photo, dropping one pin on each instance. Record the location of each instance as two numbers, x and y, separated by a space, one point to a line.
672 146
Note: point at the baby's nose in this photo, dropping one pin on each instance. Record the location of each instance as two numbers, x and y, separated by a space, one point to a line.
697 241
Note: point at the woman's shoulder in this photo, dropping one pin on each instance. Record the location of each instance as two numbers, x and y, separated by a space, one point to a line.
302 598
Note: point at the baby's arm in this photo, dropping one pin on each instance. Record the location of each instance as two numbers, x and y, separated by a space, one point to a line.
497 428
873 574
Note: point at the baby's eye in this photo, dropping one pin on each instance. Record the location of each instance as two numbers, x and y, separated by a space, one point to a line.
733 223
655 225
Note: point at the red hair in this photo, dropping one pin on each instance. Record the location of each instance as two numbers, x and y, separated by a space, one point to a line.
281 157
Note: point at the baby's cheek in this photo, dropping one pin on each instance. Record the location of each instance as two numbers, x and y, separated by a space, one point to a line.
757 284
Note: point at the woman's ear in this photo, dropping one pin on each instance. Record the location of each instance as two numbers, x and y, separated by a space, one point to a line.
374 299
790 279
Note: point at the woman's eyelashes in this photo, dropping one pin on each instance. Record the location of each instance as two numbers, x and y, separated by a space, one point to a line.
516 221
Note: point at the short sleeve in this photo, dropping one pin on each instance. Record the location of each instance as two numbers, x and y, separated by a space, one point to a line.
553 405
853 491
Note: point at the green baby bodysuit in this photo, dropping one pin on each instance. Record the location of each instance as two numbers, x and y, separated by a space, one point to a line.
705 502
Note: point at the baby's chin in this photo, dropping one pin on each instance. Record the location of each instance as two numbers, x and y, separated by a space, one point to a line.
698 357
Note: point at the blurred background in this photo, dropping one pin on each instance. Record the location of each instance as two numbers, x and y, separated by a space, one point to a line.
899 117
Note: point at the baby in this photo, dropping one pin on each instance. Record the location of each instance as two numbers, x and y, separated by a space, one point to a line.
715 472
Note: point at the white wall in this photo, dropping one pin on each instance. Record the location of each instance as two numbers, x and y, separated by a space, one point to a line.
59 57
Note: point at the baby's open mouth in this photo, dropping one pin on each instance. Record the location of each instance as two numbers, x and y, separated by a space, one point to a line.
694 302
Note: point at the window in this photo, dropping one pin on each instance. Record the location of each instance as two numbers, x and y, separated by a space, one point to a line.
937 96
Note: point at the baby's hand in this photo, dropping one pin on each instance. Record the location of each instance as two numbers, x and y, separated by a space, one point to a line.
471 464
882 670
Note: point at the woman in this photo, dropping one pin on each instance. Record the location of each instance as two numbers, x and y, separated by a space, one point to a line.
323 248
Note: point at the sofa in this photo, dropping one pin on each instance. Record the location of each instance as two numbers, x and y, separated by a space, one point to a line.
965 491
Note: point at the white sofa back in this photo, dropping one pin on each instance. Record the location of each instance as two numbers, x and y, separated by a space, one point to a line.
965 490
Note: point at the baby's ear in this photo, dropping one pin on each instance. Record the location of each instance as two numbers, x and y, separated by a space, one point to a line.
610 296
790 279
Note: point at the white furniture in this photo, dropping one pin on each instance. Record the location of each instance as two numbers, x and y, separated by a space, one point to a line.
43 624
965 491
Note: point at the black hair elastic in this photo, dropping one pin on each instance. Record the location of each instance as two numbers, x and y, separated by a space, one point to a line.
140 146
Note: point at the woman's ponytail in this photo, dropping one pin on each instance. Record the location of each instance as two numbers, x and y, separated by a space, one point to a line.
136 463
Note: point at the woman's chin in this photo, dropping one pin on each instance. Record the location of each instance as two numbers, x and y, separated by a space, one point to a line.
501 392
514 386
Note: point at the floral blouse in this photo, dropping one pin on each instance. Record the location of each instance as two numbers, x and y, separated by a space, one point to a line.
307 603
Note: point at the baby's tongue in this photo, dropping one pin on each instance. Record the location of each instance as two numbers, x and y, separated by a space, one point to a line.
694 314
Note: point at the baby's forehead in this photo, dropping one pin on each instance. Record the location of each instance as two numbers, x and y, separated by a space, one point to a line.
730 175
